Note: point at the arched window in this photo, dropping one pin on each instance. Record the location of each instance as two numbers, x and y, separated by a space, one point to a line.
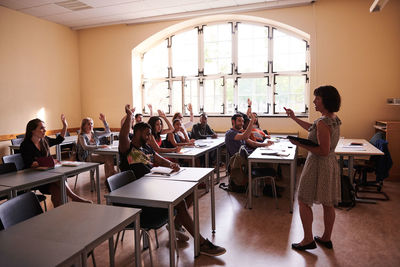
217 66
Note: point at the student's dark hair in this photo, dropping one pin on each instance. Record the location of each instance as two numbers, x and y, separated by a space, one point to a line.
137 115
175 121
256 122
140 126
30 127
203 115
330 97
152 122
237 115
175 116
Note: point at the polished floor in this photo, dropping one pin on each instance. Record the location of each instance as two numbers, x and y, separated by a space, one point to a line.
367 235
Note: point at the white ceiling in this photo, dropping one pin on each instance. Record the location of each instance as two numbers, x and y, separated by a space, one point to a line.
107 12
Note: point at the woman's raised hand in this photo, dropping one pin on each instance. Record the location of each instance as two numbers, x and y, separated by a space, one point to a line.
190 108
64 120
102 117
249 102
161 113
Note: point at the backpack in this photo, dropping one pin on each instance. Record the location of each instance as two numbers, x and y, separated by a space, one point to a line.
348 194
238 174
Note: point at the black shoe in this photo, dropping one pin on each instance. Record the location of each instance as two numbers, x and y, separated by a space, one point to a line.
297 246
327 244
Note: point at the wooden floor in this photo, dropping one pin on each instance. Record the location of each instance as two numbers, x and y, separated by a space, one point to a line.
367 235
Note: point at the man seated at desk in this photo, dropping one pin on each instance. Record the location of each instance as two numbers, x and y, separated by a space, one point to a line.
136 155
202 130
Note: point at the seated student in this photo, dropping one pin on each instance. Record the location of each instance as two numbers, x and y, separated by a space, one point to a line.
136 155
88 141
36 144
236 137
178 137
155 140
179 116
138 117
202 130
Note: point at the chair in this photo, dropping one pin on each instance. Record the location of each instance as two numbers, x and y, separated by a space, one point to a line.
16 142
20 136
378 164
147 223
19 209
261 174
68 148
18 162
6 168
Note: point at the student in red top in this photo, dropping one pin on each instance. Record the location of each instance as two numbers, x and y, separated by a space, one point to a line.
157 130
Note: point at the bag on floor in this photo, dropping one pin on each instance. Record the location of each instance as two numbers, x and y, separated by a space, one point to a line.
238 172
348 194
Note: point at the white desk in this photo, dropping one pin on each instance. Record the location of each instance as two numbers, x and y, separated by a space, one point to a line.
30 178
192 153
343 149
159 193
81 225
109 150
283 145
67 171
196 175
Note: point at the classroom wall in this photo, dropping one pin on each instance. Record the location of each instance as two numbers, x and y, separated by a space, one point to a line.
39 68
352 49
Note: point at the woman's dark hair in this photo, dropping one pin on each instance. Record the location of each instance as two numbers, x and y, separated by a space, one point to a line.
256 122
152 122
330 97
30 127
175 121
176 116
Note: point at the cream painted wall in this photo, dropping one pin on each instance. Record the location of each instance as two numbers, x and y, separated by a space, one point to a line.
354 50
39 68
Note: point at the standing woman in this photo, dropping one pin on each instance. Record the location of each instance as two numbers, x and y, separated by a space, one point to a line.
88 141
36 144
320 178
155 140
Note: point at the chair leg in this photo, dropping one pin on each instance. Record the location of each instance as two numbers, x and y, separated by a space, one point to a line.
76 180
45 205
116 242
149 241
91 253
274 191
123 234
92 181
156 236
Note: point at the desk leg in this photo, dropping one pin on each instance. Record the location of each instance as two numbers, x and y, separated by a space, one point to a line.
212 202
58 152
193 162
351 163
292 183
341 165
249 186
218 162
196 223
111 250
171 235
84 258
98 184
64 198
138 250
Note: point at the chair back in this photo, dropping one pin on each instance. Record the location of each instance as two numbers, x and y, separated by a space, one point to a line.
19 209
120 179
7 167
16 159
22 136
17 141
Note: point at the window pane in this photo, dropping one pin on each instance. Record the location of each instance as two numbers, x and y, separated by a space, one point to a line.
230 96
290 93
252 48
213 95
176 96
185 54
155 61
289 52
157 94
257 90
191 92
217 49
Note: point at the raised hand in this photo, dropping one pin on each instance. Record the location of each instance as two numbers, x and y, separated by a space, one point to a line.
161 113
64 120
249 102
102 117
128 110
190 108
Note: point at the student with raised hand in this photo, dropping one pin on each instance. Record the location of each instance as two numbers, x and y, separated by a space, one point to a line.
155 140
320 179
257 134
133 123
88 141
179 136
36 144
137 155
179 116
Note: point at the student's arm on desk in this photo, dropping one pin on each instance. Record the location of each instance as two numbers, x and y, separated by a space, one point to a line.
258 144
161 161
